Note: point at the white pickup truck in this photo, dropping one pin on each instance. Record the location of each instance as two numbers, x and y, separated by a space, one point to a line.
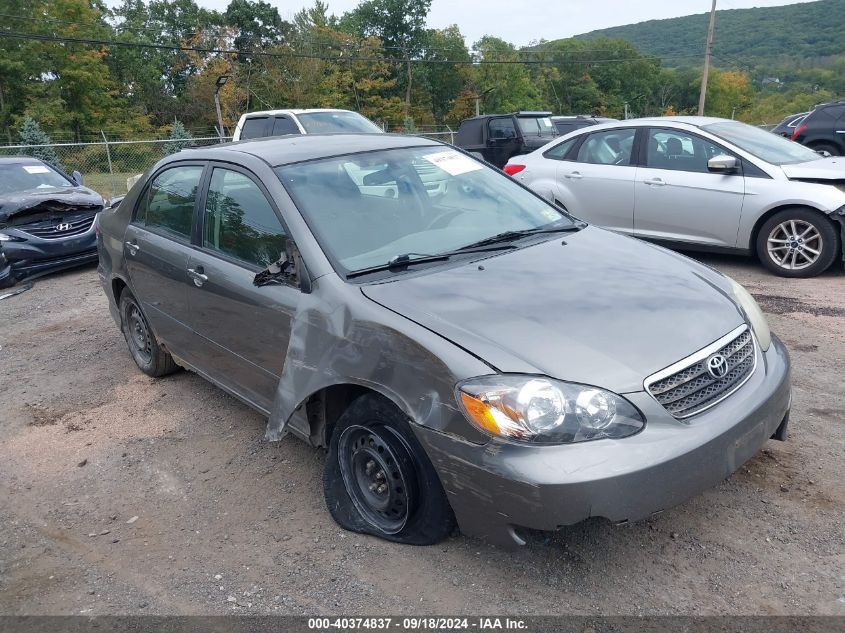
311 121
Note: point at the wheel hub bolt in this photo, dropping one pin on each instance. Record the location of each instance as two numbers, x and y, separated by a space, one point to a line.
370 466
382 489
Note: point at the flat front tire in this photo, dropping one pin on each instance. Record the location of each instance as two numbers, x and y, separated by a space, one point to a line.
798 242
378 479
151 358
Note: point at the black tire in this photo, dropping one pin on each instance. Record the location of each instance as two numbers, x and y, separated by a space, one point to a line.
150 357
826 242
372 445
826 147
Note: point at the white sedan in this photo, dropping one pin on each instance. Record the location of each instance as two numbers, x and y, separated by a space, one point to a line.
699 183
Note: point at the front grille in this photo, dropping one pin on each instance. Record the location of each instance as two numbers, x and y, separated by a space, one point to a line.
692 388
52 231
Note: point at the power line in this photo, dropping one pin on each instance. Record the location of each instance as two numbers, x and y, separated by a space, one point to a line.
275 55
213 32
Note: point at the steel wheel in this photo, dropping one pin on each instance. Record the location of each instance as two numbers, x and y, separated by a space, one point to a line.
795 244
375 466
139 334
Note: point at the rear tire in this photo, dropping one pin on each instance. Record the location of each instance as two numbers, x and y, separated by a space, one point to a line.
827 147
151 358
797 242
378 479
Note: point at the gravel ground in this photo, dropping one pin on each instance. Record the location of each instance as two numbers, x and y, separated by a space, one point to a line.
126 495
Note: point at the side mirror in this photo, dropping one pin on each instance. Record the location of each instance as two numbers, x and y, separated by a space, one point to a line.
289 270
77 178
723 164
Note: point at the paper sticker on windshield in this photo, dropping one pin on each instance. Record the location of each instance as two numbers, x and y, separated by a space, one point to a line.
452 162
36 169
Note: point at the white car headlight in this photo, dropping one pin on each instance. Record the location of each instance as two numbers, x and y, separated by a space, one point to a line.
753 313
545 411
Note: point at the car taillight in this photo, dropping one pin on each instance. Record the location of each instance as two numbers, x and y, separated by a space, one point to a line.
510 170
799 130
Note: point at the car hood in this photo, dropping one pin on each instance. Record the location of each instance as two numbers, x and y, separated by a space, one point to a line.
832 168
52 201
593 307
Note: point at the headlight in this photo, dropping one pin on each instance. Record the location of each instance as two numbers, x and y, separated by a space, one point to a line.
753 313
4 237
546 411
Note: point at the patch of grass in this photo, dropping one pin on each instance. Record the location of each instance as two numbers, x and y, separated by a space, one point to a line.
108 185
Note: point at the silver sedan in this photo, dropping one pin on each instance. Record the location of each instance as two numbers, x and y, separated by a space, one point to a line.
699 183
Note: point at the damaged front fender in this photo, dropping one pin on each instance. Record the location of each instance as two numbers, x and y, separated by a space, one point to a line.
347 341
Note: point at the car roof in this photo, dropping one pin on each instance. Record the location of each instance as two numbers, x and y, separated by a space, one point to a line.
522 113
20 160
295 148
292 111
697 121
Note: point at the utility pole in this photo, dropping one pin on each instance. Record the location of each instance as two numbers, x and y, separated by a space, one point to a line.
707 52
221 81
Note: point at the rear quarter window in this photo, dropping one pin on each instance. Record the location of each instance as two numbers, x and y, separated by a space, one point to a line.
254 127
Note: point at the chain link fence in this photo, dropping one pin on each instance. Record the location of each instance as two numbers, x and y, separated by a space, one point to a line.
109 166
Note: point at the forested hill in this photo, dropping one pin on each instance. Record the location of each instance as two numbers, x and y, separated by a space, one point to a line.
799 31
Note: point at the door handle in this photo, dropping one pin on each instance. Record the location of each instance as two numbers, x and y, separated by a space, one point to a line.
576 175
198 275
657 182
132 247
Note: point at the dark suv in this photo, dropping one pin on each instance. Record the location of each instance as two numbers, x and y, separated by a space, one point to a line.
567 124
498 137
824 129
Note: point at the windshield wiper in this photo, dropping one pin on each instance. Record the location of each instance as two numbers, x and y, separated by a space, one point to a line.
403 260
509 236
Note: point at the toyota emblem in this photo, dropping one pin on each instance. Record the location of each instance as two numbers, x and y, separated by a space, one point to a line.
717 366
64 226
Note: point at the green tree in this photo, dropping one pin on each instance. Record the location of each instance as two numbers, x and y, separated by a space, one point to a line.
179 138
32 134
258 25
507 87
400 25
444 81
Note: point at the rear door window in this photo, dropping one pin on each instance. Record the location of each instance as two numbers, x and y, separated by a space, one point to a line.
254 127
502 128
284 125
169 203
609 147
559 151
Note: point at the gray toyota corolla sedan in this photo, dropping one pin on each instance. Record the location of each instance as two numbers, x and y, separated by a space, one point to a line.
464 350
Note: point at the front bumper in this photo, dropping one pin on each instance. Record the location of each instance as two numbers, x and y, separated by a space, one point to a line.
496 488
20 260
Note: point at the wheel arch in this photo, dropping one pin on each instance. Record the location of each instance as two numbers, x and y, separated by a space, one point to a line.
324 407
755 231
118 285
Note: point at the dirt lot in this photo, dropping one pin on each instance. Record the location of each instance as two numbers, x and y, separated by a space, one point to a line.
122 494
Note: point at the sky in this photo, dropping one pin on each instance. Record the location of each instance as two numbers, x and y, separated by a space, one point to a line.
524 21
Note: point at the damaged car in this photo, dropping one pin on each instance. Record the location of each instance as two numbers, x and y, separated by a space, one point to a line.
46 219
469 354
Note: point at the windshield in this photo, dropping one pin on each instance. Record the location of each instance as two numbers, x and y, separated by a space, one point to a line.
764 145
536 125
337 122
17 177
367 208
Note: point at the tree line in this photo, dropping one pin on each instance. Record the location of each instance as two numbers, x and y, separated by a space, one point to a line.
80 69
